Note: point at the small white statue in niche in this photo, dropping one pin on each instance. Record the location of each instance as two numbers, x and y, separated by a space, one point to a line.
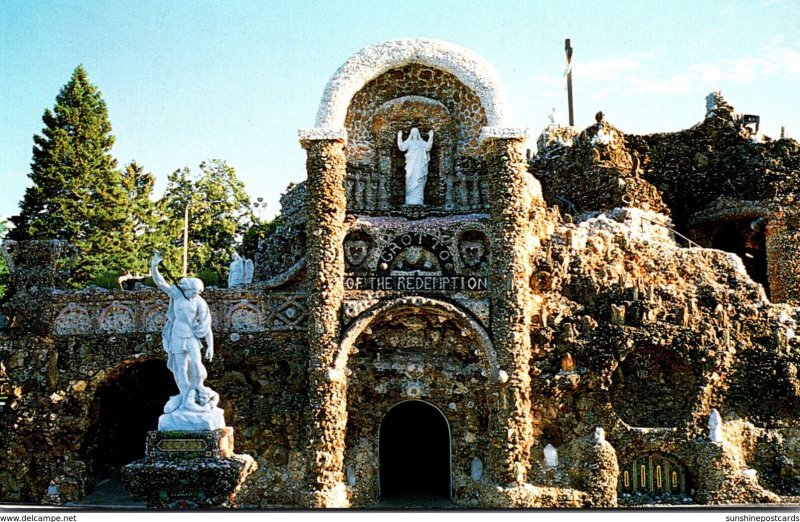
417 158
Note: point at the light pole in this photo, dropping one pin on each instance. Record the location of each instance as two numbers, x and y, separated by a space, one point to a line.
186 237
259 204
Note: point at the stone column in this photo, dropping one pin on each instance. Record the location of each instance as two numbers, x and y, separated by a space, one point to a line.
510 203
783 257
325 166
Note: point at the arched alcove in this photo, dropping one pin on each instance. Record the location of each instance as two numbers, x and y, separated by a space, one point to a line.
126 406
654 477
414 349
653 387
414 452
746 239
403 84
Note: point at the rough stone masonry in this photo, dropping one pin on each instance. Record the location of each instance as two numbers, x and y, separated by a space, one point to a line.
614 281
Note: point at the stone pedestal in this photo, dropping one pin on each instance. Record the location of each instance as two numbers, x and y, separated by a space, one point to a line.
188 469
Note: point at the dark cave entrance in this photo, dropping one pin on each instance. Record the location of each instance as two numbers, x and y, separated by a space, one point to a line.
746 239
125 408
414 452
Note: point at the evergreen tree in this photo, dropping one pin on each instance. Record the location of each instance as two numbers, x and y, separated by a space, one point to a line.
142 231
76 191
219 214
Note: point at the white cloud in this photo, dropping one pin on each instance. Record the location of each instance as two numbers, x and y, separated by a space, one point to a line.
606 69
638 75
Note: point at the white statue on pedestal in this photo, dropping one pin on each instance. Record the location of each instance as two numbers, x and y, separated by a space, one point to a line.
188 322
715 427
236 271
417 157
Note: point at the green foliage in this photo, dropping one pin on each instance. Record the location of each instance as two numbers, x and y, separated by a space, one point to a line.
210 277
77 193
108 280
219 213
143 232
258 231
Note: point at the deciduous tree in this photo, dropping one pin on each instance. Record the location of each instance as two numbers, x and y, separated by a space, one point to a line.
219 214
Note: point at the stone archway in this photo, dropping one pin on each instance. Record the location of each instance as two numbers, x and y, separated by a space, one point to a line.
414 452
406 361
369 63
418 304
126 406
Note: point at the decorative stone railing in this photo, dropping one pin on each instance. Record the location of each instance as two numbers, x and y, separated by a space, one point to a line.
144 311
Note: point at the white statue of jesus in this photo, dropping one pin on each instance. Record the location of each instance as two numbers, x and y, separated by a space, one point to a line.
417 157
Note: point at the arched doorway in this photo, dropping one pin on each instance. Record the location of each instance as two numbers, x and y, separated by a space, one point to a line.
414 452
126 407
656 478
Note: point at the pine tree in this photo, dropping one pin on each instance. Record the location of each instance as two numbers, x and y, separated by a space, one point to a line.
76 191
142 231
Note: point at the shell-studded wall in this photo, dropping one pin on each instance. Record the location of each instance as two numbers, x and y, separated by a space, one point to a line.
462 104
124 312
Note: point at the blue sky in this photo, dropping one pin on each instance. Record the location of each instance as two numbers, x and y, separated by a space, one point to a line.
187 81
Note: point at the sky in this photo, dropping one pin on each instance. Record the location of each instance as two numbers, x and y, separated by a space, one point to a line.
188 81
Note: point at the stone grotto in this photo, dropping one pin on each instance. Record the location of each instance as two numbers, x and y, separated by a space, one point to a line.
607 321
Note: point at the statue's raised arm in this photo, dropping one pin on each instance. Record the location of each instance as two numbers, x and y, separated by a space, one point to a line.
158 279
400 144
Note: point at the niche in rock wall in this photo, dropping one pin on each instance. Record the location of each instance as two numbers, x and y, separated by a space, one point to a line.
400 115
653 387
655 478
746 239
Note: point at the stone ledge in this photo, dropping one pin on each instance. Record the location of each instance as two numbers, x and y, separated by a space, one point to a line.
502 133
322 134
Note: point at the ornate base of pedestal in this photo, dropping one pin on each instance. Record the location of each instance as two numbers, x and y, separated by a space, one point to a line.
188 469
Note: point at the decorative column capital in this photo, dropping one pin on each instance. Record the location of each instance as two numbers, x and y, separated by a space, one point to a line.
308 136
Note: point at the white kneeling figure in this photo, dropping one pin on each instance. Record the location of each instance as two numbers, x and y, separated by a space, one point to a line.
236 271
599 435
240 271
